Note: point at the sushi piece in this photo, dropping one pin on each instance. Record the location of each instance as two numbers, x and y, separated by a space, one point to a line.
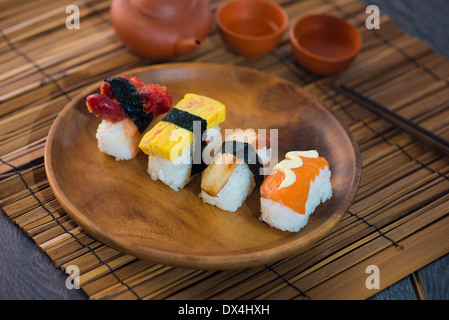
294 189
175 145
236 170
126 107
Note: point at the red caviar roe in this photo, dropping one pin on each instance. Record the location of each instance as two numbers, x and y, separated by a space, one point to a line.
157 99
106 90
105 108
136 82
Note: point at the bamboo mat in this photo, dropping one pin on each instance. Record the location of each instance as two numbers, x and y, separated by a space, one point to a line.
399 220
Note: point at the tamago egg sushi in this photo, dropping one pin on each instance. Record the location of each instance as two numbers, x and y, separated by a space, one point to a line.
170 143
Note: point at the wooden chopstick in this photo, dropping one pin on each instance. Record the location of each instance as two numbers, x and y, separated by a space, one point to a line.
425 136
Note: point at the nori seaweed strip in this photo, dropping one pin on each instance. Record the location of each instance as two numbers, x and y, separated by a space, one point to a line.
246 152
128 97
186 120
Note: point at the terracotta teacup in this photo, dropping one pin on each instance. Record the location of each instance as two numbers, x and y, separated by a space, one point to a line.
251 28
324 44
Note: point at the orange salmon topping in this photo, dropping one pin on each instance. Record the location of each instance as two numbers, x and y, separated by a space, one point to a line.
295 195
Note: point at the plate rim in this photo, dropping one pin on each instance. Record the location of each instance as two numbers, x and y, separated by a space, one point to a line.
199 261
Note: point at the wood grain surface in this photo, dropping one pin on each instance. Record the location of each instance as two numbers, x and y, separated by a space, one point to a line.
118 203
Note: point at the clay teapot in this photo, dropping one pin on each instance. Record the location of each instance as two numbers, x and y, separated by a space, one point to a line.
161 29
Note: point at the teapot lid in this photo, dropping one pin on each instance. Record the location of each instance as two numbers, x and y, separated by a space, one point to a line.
163 9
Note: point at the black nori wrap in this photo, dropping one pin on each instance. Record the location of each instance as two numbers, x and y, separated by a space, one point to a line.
246 152
187 120
128 97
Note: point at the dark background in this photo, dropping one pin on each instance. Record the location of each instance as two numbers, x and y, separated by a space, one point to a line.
425 19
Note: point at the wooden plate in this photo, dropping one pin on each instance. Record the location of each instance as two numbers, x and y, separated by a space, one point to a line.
119 204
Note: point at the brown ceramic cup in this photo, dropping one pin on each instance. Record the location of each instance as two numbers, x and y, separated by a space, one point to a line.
251 28
324 44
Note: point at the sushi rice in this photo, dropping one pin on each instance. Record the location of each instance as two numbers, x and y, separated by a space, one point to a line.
236 190
176 174
118 139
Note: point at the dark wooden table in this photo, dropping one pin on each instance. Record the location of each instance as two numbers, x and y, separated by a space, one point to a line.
27 273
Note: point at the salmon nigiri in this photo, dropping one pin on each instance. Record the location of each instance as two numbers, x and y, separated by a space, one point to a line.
296 186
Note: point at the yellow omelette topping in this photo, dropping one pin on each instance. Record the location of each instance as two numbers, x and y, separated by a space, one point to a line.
292 160
168 140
